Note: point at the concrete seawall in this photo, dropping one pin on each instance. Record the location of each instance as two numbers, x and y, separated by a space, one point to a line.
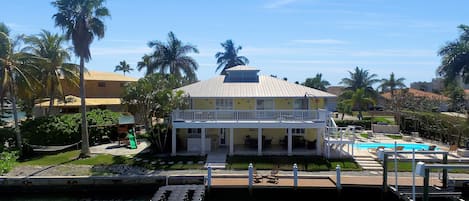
57 183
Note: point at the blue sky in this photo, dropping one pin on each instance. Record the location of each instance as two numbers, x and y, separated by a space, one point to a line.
288 38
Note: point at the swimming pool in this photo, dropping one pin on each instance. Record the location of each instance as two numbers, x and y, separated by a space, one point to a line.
407 146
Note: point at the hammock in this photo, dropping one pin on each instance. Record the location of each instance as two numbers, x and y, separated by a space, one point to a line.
42 148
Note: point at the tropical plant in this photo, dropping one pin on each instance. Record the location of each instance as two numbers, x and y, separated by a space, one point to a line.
229 58
391 85
455 57
359 100
81 20
456 95
53 67
15 68
124 67
170 57
316 82
344 108
360 79
154 97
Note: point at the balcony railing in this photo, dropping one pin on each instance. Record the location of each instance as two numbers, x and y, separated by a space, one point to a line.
248 115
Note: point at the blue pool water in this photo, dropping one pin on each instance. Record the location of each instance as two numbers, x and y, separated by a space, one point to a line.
407 146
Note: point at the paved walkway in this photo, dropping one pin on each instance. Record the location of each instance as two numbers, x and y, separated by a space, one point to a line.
120 149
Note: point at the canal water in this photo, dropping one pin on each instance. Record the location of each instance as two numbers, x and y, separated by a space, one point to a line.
267 194
223 194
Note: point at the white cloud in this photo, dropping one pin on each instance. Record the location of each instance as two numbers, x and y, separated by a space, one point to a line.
278 3
320 41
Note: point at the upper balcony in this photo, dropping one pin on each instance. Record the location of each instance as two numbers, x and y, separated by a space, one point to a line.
187 118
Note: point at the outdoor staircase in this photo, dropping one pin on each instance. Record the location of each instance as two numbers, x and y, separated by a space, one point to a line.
216 159
368 163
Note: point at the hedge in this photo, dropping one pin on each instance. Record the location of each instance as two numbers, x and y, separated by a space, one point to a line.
66 129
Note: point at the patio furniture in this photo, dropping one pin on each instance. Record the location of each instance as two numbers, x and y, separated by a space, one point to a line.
273 177
250 142
375 150
432 148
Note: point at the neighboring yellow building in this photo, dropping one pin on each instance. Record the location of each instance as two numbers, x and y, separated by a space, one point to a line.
247 113
103 90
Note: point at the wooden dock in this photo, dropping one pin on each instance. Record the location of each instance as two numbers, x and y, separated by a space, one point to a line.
316 181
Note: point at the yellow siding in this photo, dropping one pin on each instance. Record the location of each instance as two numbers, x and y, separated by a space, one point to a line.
244 104
283 103
276 134
240 134
203 104
311 134
319 105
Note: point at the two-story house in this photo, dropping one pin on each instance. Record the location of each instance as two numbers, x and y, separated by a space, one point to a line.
247 113
103 90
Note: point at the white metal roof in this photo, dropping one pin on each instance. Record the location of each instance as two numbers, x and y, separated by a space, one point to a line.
266 87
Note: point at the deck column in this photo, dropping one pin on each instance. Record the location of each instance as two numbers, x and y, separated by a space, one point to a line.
173 142
289 142
202 142
319 133
259 141
231 142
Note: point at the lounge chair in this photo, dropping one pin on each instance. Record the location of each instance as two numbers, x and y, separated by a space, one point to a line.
273 177
375 150
256 177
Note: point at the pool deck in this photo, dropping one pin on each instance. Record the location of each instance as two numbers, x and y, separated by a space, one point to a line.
452 156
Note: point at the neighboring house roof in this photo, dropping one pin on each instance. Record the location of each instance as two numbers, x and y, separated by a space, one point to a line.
266 87
242 68
73 101
108 76
336 90
417 93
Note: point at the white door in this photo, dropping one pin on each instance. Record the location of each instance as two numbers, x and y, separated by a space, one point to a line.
222 138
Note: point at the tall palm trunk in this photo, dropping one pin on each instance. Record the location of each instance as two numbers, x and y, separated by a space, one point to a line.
85 145
51 101
15 112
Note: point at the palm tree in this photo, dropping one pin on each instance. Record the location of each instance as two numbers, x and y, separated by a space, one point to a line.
82 21
360 100
455 57
392 84
15 68
230 57
124 67
170 58
53 67
360 78
316 82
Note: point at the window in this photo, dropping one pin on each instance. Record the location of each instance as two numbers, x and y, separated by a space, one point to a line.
265 104
300 104
224 104
297 131
101 84
194 132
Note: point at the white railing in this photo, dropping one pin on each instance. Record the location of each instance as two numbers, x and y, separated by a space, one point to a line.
249 115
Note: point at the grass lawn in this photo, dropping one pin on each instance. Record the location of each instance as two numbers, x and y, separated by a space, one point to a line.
309 163
396 137
407 167
70 158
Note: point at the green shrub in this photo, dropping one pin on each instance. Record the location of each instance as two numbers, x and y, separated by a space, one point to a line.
365 124
66 129
7 161
7 135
